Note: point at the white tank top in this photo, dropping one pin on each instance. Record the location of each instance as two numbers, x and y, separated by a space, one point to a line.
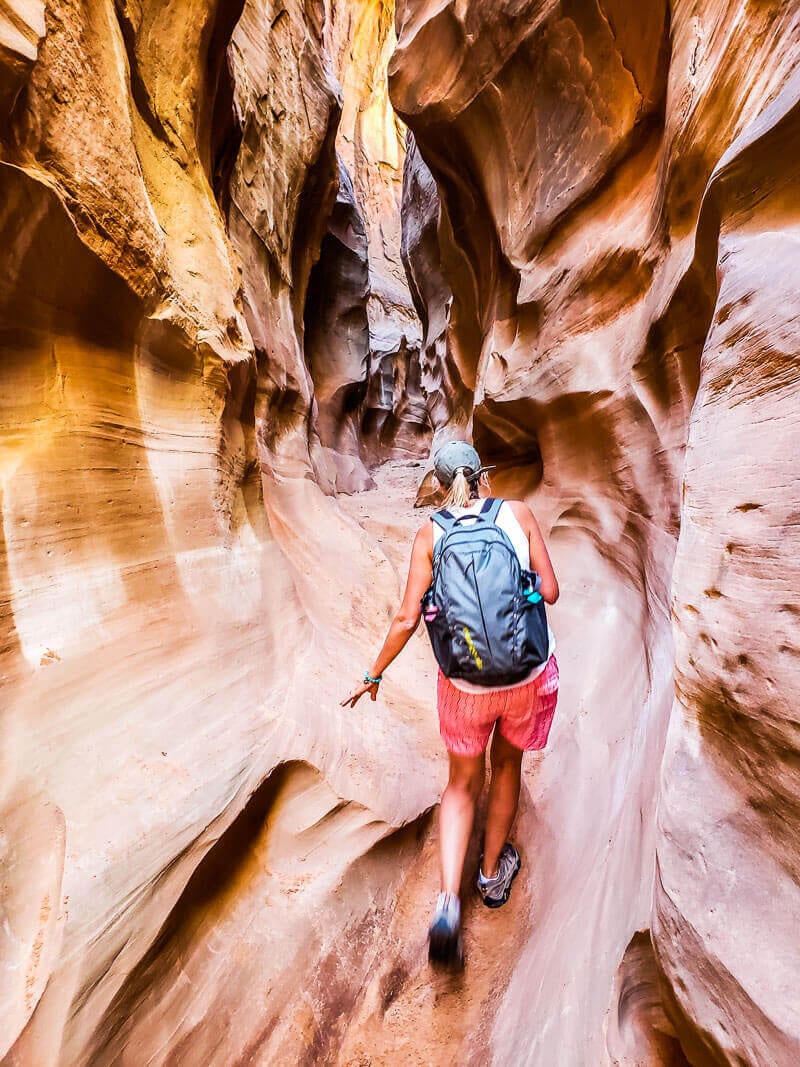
509 524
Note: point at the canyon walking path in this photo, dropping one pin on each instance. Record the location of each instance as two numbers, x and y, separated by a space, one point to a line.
579 826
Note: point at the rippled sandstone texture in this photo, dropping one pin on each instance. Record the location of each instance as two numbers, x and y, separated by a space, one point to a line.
618 222
204 860
172 644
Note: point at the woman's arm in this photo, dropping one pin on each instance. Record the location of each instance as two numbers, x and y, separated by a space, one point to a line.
540 557
406 620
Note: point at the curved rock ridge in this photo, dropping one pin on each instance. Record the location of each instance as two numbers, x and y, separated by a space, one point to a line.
610 280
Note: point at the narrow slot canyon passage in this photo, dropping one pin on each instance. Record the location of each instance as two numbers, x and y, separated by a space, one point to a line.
260 259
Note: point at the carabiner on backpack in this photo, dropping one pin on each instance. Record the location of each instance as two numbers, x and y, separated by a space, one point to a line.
531 584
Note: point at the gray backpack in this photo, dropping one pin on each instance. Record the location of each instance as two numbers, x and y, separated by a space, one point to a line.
484 613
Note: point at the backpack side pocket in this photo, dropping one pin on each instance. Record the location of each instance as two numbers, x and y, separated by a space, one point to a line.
441 641
439 634
537 639
534 619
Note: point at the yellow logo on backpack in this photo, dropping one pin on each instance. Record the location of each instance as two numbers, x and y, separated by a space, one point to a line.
472 649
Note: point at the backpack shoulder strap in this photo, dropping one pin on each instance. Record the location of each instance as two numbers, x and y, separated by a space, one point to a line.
491 509
444 519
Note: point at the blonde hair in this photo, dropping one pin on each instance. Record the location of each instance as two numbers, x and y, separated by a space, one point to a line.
460 493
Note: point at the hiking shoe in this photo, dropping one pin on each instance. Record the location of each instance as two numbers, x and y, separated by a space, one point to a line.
445 946
496 891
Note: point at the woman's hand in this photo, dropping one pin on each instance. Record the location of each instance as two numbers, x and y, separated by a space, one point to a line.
407 618
357 694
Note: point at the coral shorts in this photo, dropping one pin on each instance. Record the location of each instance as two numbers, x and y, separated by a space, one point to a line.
523 714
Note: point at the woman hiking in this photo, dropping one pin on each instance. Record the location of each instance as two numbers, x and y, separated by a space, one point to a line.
483 561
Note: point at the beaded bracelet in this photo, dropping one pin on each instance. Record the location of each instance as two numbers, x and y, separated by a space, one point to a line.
372 681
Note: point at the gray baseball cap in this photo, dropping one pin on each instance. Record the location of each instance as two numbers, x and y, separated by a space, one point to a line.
454 456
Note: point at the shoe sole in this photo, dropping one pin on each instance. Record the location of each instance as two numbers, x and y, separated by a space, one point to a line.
499 903
445 949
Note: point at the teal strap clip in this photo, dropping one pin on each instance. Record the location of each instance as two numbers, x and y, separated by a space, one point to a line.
532 595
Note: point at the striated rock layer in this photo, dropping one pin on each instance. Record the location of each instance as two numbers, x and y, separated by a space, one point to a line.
616 224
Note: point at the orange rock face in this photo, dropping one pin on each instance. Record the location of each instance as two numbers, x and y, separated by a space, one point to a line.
215 237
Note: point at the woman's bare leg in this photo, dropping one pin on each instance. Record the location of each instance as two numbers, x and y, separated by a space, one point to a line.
456 816
506 763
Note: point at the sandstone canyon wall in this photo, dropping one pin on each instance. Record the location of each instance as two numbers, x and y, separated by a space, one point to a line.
168 174
618 219
207 332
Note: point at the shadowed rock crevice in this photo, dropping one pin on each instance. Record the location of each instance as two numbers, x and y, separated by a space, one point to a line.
446 397
397 423
284 250
22 27
277 854
336 337
640 1031
219 122
214 881
53 282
